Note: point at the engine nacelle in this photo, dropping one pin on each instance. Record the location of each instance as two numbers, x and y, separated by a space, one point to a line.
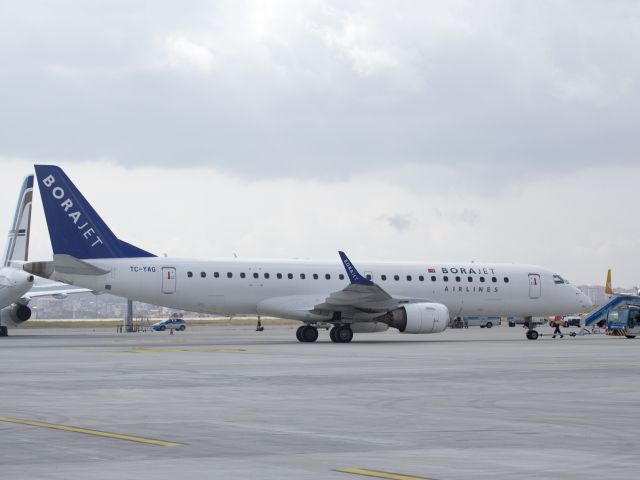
14 315
418 318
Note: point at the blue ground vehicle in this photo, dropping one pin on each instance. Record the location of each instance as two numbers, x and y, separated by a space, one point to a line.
626 319
170 323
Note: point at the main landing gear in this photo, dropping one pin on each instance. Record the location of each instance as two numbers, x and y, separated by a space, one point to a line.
307 334
4 331
341 334
338 334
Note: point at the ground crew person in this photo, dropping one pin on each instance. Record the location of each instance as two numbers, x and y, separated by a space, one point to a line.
557 331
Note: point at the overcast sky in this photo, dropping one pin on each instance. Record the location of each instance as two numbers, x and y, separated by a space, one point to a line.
461 130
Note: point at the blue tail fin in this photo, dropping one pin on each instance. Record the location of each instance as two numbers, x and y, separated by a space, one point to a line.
18 241
74 226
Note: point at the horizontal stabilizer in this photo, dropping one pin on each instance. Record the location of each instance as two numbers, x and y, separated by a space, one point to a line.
64 264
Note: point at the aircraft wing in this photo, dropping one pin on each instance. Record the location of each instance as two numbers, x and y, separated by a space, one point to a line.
362 295
362 300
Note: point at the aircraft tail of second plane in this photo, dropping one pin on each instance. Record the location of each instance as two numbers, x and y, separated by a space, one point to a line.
17 248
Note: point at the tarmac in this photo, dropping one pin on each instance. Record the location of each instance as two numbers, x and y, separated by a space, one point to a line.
229 402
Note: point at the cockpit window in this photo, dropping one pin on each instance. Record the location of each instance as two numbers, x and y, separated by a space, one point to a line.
558 280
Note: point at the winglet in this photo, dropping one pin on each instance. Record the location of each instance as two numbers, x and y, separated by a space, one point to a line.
352 273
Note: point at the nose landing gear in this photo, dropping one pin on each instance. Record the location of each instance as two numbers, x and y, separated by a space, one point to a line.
532 334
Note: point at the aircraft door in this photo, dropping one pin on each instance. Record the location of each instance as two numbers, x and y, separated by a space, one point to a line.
168 280
535 289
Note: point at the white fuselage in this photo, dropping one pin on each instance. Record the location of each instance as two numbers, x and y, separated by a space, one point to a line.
14 284
288 288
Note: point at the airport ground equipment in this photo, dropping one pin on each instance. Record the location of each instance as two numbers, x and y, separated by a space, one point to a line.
624 321
616 302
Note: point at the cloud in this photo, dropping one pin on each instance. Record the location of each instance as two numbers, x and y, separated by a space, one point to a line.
324 89
399 222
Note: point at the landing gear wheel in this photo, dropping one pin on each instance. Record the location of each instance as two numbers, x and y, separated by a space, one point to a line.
532 335
342 334
332 334
628 336
4 331
307 334
489 324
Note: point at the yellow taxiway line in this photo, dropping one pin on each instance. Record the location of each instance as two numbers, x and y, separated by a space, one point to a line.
378 474
86 431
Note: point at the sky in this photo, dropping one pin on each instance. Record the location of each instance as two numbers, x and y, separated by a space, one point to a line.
492 131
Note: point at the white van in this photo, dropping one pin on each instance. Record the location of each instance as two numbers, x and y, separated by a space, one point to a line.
482 322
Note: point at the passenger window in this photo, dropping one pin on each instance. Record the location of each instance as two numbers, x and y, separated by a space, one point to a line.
368 276
216 274
289 276
203 274
242 275
396 277
445 278
383 277
315 276
255 274
341 276
494 279
457 279
421 278
279 275
481 279
266 275
302 276
408 278
189 274
229 275
327 276
470 279
506 279
433 278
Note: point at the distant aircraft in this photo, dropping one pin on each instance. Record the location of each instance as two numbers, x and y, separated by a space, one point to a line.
608 290
18 287
412 297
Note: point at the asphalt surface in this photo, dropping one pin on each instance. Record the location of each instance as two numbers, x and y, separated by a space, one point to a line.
229 402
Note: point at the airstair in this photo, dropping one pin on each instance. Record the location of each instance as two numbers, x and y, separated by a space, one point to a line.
615 302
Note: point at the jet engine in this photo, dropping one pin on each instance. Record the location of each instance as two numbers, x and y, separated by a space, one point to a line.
418 318
14 315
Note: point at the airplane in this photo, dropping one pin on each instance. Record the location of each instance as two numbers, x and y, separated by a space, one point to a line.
411 297
18 287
